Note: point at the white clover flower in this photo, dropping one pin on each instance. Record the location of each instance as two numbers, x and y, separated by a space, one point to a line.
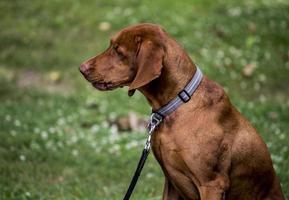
75 152
115 149
227 61
34 145
114 130
13 133
282 136
127 12
49 145
113 137
27 194
22 158
235 12
74 139
204 52
61 121
95 128
44 135
262 78
149 175
235 52
277 158
104 124
8 118
132 144
220 54
36 130
52 130
277 130
262 98
17 123
251 105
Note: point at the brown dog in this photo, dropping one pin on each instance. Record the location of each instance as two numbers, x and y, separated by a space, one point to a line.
206 148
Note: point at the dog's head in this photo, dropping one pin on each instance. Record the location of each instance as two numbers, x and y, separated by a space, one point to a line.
134 58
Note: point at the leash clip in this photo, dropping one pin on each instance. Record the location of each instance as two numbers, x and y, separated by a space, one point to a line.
155 120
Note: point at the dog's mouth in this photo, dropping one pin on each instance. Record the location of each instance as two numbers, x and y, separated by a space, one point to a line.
104 86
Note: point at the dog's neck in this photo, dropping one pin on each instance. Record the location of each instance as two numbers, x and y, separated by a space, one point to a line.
177 71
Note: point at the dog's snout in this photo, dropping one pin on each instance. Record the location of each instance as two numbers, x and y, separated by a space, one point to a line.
84 68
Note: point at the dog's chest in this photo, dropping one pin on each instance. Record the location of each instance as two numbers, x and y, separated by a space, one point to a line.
171 158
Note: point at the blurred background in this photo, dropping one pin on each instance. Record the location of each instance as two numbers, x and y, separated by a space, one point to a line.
62 139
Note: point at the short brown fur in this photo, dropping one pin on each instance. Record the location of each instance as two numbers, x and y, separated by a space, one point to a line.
206 148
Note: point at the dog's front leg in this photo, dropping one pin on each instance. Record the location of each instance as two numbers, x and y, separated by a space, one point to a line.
170 193
210 193
214 190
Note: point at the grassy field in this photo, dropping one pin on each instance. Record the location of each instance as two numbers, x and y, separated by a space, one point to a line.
56 136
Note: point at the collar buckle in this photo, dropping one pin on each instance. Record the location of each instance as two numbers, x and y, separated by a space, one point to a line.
184 96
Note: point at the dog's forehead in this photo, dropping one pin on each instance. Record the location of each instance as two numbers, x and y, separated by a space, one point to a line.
131 36
123 36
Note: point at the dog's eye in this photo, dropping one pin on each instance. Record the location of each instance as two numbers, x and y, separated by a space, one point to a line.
118 50
115 47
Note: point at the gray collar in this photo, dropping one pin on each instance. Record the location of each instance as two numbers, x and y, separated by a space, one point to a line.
183 97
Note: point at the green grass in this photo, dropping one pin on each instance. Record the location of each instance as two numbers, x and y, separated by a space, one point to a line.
55 141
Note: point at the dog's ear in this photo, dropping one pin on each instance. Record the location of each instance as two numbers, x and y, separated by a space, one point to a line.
149 63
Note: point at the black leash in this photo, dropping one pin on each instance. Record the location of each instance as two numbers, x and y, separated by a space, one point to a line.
154 122
137 173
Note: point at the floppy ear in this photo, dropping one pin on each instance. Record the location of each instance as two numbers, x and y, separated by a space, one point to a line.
149 65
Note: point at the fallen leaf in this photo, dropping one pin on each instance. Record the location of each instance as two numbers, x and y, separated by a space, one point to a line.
104 26
54 76
249 69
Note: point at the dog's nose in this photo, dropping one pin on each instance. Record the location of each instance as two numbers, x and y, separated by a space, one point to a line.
84 68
